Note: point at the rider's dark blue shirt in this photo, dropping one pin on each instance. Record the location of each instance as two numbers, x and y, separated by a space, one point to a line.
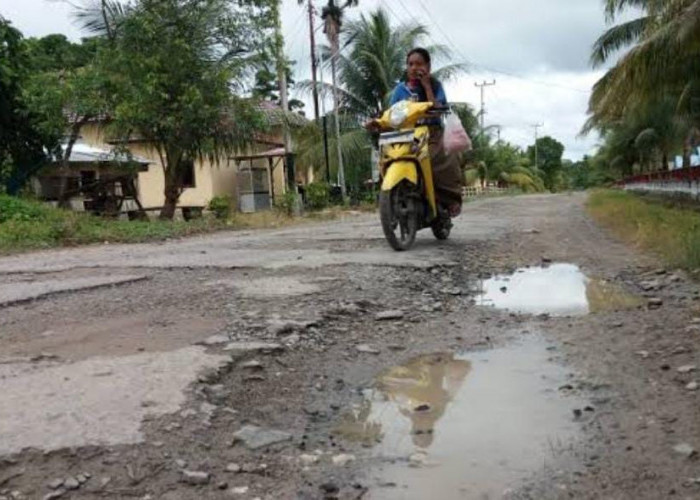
404 92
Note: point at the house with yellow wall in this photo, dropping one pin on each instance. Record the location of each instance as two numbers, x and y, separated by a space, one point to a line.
253 179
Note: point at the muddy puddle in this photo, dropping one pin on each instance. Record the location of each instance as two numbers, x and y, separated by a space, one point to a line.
464 426
557 290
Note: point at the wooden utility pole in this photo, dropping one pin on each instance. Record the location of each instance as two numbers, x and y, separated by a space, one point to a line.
314 79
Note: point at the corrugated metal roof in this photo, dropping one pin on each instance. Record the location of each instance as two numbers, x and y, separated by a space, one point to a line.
83 153
271 153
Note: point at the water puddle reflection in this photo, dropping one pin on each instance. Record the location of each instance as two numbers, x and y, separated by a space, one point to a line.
446 426
557 290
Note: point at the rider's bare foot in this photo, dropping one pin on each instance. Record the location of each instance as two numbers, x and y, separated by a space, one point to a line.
455 210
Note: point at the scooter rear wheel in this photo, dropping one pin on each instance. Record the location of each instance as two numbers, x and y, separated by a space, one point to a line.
442 225
441 230
397 211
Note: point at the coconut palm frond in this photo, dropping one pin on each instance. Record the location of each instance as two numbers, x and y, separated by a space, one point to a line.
617 38
447 73
348 101
102 17
355 146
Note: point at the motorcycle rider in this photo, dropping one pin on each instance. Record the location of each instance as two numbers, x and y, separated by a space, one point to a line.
421 86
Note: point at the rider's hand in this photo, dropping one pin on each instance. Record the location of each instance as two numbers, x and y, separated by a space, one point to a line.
426 80
372 126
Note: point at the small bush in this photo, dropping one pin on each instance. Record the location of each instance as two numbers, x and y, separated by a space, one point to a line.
288 203
26 225
17 209
221 207
318 195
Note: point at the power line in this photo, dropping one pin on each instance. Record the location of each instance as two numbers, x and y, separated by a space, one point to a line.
488 68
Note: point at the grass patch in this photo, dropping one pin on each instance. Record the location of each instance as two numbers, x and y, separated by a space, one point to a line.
672 233
29 225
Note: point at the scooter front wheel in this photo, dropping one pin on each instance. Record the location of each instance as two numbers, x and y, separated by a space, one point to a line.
397 211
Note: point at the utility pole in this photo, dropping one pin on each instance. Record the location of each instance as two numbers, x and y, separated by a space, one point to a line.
537 127
324 120
336 105
314 71
284 101
482 87
314 62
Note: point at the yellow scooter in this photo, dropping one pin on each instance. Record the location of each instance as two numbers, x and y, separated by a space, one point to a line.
407 198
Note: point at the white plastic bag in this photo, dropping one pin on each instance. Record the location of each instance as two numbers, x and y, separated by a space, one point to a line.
455 138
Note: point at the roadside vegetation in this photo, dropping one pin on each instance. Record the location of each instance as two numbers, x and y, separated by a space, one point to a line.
52 87
671 232
31 225
646 107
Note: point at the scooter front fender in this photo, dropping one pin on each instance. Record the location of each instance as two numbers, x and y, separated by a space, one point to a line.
397 172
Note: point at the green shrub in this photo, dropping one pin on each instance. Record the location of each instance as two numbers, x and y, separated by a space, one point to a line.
318 195
17 209
287 204
221 207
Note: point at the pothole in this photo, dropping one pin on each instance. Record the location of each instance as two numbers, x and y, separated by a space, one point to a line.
464 426
557 290
16 292
270 287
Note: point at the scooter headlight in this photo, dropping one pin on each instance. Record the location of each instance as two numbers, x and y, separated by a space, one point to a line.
398 114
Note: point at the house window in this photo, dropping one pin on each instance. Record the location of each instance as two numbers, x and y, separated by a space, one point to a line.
188 178
87 178
51 186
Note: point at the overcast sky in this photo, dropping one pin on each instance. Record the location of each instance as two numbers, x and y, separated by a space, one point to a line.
537 52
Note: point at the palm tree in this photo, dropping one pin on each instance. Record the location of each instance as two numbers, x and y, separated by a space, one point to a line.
377 60
664 60
621 35
665 57
102 17
332 16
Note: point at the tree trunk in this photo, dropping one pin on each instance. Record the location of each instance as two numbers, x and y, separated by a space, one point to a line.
172 189
172 195
687 150
664 161
65 161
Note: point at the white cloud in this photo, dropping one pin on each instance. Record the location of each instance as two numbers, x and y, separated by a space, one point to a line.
40 17
546 41
558 100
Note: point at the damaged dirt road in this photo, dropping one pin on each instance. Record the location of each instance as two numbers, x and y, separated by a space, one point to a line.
530 356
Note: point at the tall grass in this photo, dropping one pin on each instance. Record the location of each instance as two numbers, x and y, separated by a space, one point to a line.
672 233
